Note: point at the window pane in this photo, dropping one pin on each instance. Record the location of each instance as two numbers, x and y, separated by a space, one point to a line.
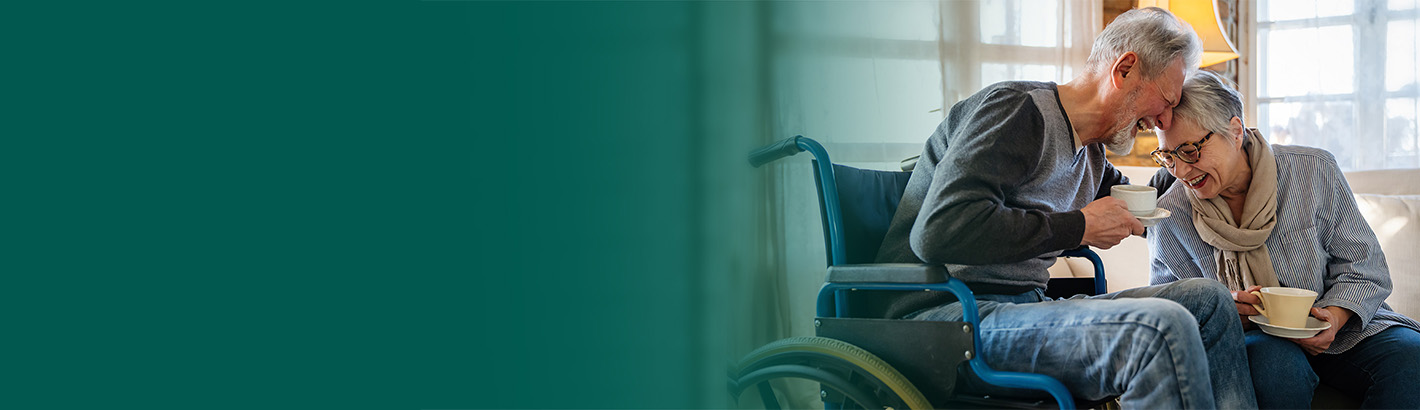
1401 137
873 100
1328 126
1291 65
908 93
1275 10
810 18
994 27
992 73
1037 73
1403 4
1020 22
1401 63
1039 22
905 20
896 20
829 112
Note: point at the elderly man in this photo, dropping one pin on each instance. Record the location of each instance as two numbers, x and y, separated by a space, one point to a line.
1016 174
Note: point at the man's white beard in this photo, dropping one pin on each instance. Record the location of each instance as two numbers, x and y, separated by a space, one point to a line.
1122 142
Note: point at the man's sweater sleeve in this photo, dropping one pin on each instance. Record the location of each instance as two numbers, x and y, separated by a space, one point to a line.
965 218
1112 177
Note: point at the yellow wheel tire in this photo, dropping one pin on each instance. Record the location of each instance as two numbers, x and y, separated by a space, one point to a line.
849 353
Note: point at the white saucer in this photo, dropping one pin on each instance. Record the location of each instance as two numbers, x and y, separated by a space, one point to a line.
1151 219
1314 326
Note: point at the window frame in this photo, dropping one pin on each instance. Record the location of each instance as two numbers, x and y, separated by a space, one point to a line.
1369 94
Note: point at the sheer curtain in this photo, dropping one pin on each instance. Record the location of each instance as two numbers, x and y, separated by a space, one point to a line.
1339 75
1041 40
871 81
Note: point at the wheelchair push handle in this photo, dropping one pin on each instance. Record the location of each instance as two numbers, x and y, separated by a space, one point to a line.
769 153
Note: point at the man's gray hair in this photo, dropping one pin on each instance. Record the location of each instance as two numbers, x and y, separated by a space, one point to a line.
1154 34
1210 102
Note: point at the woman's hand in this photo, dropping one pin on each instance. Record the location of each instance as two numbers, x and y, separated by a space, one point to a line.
1244 299
1331 314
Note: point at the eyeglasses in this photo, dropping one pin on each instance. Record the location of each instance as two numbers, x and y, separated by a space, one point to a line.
1188 152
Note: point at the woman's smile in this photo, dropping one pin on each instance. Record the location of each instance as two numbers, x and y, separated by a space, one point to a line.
1197 183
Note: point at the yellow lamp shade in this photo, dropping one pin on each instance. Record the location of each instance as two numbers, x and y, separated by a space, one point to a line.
1203 16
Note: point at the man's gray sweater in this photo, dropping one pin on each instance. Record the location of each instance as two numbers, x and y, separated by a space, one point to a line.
997 193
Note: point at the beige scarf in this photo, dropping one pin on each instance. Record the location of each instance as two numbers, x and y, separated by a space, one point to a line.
1240 247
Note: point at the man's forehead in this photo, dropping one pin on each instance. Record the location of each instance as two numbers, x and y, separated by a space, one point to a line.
1175 74
1171 81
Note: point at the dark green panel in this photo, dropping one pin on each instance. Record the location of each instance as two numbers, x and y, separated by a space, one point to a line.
436 204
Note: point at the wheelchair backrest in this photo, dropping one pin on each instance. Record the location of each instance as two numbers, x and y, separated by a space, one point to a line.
867 200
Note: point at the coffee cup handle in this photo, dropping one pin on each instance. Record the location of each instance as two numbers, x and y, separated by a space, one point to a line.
1259 307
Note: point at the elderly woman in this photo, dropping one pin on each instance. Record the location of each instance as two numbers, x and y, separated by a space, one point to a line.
1251 215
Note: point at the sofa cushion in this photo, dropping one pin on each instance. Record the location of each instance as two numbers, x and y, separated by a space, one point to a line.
1073 268
1385 181
1396 222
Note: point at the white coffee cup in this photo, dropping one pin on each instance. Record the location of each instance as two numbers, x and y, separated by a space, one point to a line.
1141 200
1286 307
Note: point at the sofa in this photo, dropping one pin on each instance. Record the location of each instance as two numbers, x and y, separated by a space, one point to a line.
1388 199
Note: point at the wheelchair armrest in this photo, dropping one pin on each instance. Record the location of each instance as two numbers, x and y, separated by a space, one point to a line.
1085 252
887 273
1080 252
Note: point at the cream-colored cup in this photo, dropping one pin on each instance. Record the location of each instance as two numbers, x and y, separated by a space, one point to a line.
1286 307
1141 200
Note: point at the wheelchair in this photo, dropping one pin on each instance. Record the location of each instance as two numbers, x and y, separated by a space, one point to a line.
860 355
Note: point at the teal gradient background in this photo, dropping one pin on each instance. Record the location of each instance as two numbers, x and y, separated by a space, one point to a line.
402 204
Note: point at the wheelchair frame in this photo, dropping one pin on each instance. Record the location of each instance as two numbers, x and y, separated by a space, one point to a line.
832 297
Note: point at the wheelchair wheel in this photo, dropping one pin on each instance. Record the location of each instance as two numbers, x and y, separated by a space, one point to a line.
849 377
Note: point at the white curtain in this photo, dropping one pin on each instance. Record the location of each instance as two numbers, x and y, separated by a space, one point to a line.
1039 40
871 81
1339 75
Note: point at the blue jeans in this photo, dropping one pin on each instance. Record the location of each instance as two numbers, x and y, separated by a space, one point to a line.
1152 346
1381 370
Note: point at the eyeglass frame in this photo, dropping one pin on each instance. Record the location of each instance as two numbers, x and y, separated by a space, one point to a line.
1162 153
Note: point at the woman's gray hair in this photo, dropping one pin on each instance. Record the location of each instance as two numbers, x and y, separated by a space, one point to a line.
1210 102
1154 34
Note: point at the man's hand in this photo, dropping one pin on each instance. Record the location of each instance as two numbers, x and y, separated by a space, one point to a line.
1108 221
1337 316
1245 301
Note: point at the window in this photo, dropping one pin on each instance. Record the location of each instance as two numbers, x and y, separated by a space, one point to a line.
1037 40
1340 75
872 80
